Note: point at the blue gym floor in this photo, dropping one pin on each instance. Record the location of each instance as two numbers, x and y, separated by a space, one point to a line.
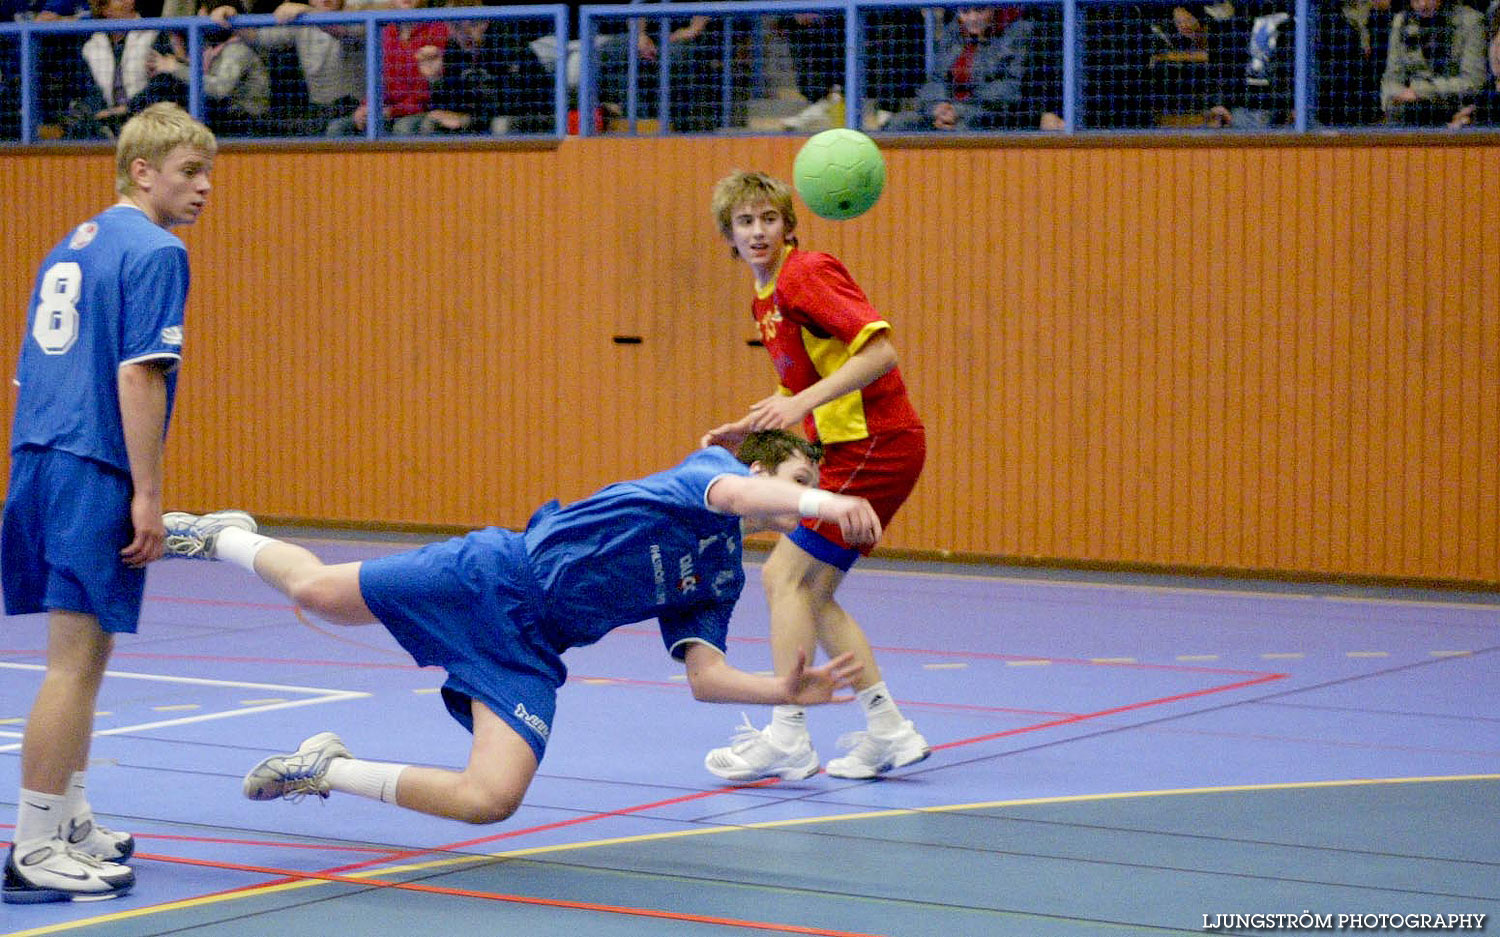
1112 755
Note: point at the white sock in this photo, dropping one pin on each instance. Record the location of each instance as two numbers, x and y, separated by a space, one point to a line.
239 546
373 779
788 725
38 815
881 713
75 800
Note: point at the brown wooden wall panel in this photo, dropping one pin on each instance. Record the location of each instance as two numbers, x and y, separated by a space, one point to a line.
1267 358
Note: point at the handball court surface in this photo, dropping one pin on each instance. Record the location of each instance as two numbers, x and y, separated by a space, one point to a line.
1112 754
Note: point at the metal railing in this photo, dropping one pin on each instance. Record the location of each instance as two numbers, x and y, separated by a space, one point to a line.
27 35
742 26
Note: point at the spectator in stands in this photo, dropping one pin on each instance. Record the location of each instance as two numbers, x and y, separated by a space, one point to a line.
487 80
816 44
408 93
121 79
694 77
1485 112
236 86
464 95
331 59
1257 84
524 84
1349 61
1435 65
983 77
60 81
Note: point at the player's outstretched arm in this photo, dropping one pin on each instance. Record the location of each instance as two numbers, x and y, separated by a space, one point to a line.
780 504
715 680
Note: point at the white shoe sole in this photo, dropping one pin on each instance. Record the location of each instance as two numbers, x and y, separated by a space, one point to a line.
837 771
787 773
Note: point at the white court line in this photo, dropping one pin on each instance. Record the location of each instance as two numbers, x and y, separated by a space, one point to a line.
324 695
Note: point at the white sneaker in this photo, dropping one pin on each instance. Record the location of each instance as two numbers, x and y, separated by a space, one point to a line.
871 754
814 117
192 536
50 870
86 835
295 776
752 756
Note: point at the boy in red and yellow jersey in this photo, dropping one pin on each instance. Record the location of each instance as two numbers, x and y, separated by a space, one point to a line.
839 381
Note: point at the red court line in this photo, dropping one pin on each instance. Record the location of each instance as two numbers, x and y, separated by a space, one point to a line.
1128 707
511 899
575 821
1067 720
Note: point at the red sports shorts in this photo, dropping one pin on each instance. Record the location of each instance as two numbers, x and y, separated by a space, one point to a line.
883 469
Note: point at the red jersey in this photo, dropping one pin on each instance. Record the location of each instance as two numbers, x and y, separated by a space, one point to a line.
407 90
813 317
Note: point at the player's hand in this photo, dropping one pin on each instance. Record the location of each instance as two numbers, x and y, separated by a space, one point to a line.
289 11
777 411
728 435
857 520
150 533
806 686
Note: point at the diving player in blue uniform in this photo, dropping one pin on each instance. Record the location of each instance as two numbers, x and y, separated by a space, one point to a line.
497 608
96 377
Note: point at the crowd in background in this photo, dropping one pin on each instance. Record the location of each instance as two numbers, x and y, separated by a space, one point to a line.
1226 63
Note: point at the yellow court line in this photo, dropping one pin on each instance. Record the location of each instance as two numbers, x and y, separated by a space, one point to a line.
767 825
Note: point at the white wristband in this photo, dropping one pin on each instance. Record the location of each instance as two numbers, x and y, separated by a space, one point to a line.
811 501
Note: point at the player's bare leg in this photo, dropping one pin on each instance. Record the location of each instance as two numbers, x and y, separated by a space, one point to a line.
489 788
802 590
44 865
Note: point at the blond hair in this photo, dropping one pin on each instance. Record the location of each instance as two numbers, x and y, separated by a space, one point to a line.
154 133
745 188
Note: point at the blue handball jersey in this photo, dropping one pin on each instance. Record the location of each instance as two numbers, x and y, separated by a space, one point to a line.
111 294
649 548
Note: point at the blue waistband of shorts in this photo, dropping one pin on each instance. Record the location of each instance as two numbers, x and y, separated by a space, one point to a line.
821 548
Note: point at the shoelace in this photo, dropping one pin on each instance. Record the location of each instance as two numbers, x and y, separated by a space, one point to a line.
300 779
745 735
185 545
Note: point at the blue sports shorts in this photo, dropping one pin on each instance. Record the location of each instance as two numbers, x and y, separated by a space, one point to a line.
471 605
66 520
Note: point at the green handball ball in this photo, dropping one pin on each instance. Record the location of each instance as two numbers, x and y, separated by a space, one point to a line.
839 173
